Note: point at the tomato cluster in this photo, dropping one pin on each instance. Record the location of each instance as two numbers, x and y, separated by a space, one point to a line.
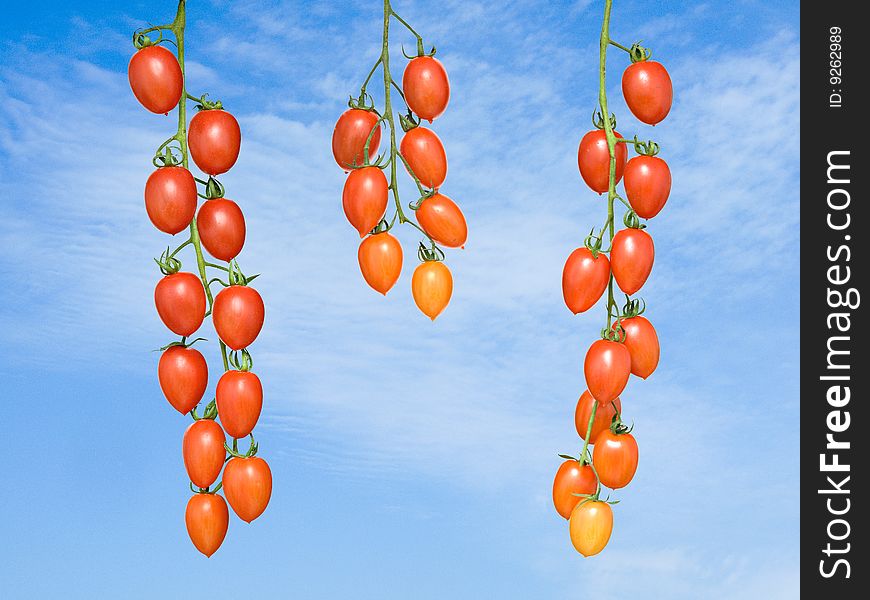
355 143
184 299
629 344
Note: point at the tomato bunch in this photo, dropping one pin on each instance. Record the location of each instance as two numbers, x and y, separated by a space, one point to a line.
629 344
184 299
356 141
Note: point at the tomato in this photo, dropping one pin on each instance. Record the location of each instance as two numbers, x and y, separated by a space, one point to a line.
615 458
648 91
239 397
380 261
426 87
238 314
350 135
441 219
214 139
432 286
202 448
603 415
156 79
365 198
593 158
170 198
584 279
643 345
647 185
590 526
631 258
183 376
207 519
248 486
221 227
180 300
607 367
425 154
572 479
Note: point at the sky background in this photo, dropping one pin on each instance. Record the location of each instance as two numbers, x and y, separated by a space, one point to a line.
410 459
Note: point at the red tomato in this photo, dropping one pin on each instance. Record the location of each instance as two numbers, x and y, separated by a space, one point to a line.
593 158
170 198
214 139
590 527
647 185
239 397
603 415
183 376
365 198
431 286
425 154
441 219
615 458
350 135
572 479
584 279
202 448
631 258
648 91
238 314
221 227
426 87
380 261
156 79
248 486
643 345
607 367
207 519
180 300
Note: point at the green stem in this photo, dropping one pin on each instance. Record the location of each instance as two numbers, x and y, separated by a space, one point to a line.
588 433
388 109
611 138
177 28
620 46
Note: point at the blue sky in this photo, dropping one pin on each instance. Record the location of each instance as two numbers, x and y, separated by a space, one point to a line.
411 459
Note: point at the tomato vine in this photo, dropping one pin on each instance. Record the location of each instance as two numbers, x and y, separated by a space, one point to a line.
184 299
425 92
629 344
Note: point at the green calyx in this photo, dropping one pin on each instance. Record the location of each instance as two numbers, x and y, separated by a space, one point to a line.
633 308
210 413
408 121
203 103
214 189
197 490
233 450
631 220
241 360
432 254
168 264
638 53
598 120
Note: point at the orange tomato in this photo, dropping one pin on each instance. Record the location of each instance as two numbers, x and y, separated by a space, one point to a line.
631 258
572 479
180 301
603 415
584 279
432 286
365 198
426 88
615 457
248 486
350 135
202 449
380 261
441 219
425 155
643 345
606 367
590 526
183 376
156 79
593 159
239 397
221 227
207 519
